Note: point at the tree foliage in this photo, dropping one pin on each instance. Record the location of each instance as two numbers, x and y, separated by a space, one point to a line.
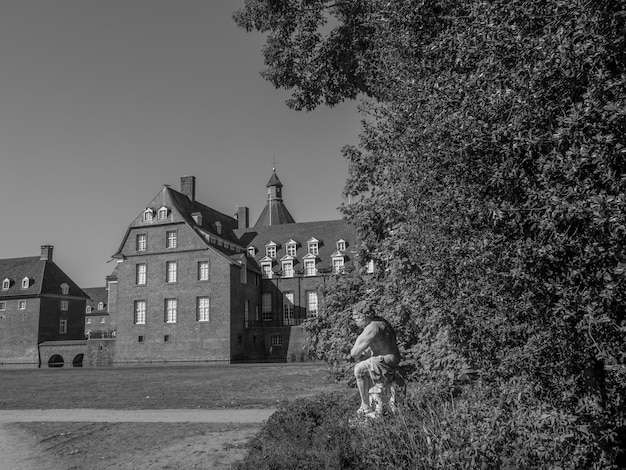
489 185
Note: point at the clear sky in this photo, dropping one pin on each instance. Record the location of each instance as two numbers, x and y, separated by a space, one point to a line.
103 102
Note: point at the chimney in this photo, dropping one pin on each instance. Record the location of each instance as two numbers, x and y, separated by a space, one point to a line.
46 252
242 217
197 217
188 187
218 227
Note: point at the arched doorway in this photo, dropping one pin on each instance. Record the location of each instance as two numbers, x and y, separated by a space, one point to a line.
56 361
78 360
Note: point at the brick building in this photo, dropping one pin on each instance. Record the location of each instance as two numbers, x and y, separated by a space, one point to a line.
194 284
98 322
39 303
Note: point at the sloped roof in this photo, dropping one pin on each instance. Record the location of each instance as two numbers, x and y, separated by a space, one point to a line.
274 213
97 295
45 278
327 232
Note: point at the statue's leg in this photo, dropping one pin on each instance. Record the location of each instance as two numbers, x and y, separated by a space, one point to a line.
363 383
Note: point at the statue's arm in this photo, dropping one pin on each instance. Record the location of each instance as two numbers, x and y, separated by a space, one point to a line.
363 342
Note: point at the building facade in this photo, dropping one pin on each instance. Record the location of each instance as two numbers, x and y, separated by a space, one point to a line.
194 284
39 304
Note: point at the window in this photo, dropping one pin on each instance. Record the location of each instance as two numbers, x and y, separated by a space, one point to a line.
140 339
203 271
266 269
140 274
88 321
140 312
25 283
369 267
251 251
309 267
277 340
288 268
171 306
64 305
103 320
171 271
246 311
3 305
266 306
6 284
148 215
311 303
63 327
166 338
341 245
270 250
88 309
171 241
100 306
313 246
162 214
288 308
141 242
65 289
338 264
202 309
21 305
291 247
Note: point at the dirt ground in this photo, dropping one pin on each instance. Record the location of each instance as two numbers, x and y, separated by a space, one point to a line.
66 439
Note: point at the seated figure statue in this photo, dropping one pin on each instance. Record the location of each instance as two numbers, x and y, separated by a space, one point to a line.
378 357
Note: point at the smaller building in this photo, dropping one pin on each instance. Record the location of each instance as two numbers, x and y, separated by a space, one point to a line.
98 322
38 303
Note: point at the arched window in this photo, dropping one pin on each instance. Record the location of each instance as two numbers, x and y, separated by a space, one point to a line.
6 284
148 215
25 283
65 289
100 305
163 213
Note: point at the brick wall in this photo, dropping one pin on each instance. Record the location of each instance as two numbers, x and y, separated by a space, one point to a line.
18 332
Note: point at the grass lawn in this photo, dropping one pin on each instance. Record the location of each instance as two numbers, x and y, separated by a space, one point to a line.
160 387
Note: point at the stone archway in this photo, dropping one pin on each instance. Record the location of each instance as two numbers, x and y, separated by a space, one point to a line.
78 360
56 361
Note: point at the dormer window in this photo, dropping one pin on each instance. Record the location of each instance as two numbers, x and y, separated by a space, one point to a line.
341 245
251 251
6 284
25 283
266 268
309 265
338 263
163 213
100 306
88 309
313 246
291 247
287 266
65 289
270 250
148 215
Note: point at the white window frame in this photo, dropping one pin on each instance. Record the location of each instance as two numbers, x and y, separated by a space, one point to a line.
312 303
65 289
291 248
369 266
65 305
3 305
162 213
21 305
171 310
148 215
139 315
100 305
288 309
270 250
141 242
341 245
266 269
313 246
203 309
309 266
6 283
88 320
141 274
103 320
251 251
338 263
287 267
25 283
62 327
171 239
171 272
203 270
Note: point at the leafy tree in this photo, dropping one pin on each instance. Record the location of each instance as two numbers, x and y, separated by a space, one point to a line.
489 183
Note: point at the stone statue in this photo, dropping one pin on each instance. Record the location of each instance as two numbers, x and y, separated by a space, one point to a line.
377 356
